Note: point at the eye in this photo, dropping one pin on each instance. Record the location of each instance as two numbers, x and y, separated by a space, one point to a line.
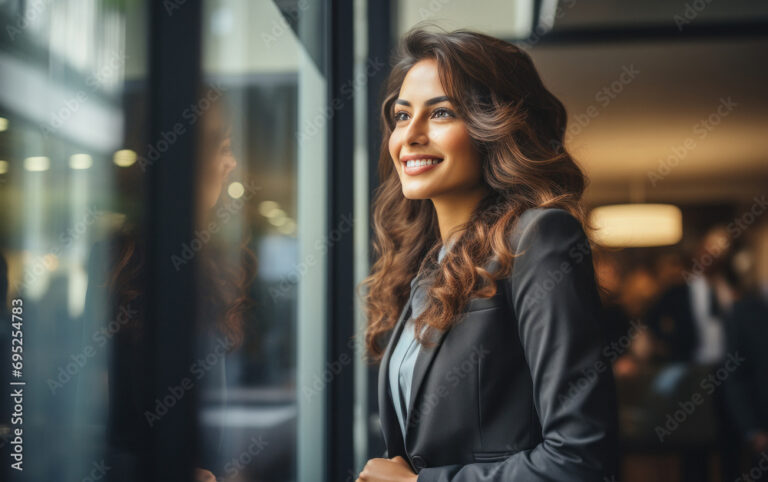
442 112
439 113
398 117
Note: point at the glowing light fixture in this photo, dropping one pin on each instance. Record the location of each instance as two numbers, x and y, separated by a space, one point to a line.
124 158
637 225
80 161
3 124
37 163
235 190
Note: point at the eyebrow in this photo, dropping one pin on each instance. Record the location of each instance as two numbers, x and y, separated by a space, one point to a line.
433 100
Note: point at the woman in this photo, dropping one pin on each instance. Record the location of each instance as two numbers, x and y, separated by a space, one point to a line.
494 369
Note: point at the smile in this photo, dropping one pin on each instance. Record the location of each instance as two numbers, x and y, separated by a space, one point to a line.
417 166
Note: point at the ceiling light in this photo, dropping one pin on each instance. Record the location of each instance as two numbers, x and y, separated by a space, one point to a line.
637 225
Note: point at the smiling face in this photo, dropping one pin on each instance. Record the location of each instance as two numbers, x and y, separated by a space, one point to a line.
216 158
428 133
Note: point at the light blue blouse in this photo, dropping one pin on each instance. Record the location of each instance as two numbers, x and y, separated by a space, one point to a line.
406 351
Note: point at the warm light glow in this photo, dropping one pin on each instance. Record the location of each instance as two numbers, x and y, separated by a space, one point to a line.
279 220
124 158
266 207
3 124
80 161
637 225
37 163
288 228
51 261
3 167
235 190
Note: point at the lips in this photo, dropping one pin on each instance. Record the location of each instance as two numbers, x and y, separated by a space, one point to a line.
416 164
418 157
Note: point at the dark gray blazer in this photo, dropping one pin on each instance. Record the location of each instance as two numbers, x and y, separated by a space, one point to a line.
521 389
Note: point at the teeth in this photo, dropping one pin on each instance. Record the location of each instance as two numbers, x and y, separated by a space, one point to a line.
422 162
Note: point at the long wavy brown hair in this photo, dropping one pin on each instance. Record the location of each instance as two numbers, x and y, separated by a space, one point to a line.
222 284
518 127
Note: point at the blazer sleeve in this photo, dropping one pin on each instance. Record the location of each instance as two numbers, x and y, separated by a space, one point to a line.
553 292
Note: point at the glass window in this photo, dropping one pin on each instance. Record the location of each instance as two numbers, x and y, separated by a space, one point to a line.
71 123
259 240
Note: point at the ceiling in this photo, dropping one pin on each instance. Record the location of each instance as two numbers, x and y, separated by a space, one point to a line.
682 120
649 136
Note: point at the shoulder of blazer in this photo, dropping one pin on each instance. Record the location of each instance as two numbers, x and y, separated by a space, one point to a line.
534 222
537 229
544 237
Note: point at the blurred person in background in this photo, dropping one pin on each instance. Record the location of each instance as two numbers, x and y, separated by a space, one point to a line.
637 293
746 322
638 289
685 317
669 269
610 279
687 324
625 297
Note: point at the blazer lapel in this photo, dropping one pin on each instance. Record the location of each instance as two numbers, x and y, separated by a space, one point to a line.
425 358
420 370
387 416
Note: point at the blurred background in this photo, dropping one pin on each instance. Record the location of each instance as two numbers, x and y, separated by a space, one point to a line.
171 168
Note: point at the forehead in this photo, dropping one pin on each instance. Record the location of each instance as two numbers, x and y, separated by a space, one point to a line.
422 82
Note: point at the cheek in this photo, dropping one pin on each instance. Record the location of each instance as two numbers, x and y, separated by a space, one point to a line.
456 143
394 146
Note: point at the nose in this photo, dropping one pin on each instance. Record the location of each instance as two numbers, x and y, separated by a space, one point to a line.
416 132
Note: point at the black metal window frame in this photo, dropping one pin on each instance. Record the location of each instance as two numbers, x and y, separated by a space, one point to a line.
174 52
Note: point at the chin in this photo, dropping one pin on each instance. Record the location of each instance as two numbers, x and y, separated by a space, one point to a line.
211 202
421 188
416 195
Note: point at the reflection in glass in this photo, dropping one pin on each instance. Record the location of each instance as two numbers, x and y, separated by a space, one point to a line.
73 79
252 406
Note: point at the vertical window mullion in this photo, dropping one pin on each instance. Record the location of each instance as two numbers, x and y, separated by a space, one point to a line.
174 51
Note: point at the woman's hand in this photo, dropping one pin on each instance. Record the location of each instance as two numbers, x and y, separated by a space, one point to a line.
759 442
395 469
202 475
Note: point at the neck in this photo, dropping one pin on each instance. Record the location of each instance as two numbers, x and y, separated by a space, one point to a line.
455 209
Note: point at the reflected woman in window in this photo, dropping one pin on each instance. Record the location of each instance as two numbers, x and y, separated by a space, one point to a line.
223 275
483 310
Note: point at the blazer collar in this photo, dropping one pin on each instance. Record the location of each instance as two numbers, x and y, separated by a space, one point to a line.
421 368
387 416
